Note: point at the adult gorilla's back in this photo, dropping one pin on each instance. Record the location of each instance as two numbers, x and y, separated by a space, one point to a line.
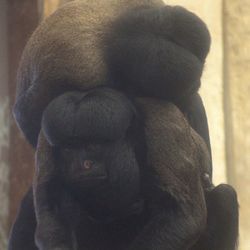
140 46
64 53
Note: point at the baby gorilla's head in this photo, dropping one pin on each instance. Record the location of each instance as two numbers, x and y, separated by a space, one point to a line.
95 135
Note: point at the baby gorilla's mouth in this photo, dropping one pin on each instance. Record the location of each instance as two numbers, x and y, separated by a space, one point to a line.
137 207
107 216
93 178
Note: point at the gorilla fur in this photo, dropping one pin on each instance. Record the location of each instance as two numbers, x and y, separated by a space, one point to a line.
171 192
105 48
154 54
108 119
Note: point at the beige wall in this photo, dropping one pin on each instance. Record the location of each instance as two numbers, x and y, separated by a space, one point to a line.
237 99
50 6
4 127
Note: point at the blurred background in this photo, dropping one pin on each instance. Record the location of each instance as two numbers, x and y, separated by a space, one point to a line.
225 91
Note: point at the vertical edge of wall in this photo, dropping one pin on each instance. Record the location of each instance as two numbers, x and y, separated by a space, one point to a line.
237 106
229 133
23 17
4 127
212 87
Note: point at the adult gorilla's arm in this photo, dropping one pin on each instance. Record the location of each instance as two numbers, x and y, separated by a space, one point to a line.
52 231
22 232
222 205
178 160
194 110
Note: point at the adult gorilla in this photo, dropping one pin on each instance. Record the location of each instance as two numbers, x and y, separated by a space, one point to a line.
142 48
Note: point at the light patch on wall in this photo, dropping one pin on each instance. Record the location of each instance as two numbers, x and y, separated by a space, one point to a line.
4 170
50 6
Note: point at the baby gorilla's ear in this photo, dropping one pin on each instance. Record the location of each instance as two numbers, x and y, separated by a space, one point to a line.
78 117
158 51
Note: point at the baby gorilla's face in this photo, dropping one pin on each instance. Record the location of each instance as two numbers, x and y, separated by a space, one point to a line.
104 178
84 166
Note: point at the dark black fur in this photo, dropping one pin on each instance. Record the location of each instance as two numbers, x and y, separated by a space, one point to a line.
158 52
132 208
223 220
149 50
108 118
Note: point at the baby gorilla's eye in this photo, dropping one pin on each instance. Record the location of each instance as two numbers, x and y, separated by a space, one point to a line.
87 164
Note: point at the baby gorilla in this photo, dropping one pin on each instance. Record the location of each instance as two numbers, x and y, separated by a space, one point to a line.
88 162
109 177
95 189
